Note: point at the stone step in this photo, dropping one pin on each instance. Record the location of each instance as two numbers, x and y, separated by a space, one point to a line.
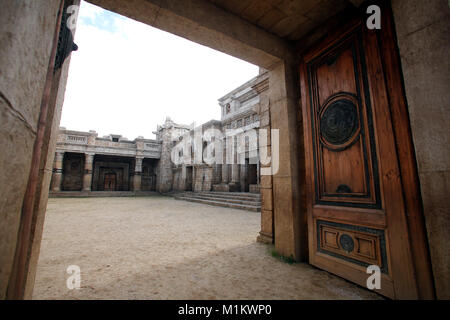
248 194
252 202
221 203
100 194
226 195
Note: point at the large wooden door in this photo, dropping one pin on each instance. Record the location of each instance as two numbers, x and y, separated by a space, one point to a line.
356 207
110 182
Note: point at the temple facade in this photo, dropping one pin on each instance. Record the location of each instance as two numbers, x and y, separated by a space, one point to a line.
85 162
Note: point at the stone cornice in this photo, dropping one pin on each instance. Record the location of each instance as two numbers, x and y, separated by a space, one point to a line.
240 115
253 82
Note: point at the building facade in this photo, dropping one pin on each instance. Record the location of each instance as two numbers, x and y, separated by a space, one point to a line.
85 162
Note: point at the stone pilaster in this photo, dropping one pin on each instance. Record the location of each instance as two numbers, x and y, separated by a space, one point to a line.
235 174
57 171
225 167
243 177
288 198
88 169
165 173
266 235
137 180
225 175
235 177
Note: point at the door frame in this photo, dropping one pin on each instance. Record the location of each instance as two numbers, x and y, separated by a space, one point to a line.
407 165
109 174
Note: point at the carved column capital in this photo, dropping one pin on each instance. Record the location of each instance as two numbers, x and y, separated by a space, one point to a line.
89 157
139 159
59 155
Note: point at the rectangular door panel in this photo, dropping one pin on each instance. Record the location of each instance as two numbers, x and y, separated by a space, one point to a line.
346 170
356 211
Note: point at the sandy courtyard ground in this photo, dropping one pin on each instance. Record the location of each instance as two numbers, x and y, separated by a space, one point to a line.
161 248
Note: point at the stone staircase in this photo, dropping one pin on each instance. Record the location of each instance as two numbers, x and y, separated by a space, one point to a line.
100 194
236 200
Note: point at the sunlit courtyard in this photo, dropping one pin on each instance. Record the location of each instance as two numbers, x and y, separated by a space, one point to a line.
161 248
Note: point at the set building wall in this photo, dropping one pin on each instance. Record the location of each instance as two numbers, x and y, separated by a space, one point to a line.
179 182
26 40
167 134
203 178
423 31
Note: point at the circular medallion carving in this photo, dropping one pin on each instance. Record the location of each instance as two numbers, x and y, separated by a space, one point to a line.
339 122
346 243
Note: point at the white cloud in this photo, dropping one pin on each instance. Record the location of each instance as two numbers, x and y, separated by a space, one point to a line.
128 81
89 11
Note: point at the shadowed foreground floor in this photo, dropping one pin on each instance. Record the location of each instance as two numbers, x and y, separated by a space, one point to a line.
160 248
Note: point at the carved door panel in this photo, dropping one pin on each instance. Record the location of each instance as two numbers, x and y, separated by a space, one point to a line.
110 182
356 210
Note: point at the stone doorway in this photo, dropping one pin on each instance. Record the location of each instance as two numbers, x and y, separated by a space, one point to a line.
189 178
110 180
149 168
252 174
245 40
112 173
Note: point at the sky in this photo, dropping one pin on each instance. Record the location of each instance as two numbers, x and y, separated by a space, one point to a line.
127 77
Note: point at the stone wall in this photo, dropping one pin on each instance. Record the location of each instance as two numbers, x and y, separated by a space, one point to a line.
178 183
266 235
166 135
26 38
287 197
423 38
203 178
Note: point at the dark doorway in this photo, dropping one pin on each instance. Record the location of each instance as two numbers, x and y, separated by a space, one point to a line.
73 169
120 166
149 174
110 181
252 174
189 172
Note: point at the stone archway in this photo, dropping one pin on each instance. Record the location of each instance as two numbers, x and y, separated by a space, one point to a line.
32 120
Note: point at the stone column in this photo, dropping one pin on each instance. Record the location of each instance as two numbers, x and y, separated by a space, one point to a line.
243 179
235 177
137 174
57 171
258 176
289 201
234 184
164 169
235 172
87 178
225 173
